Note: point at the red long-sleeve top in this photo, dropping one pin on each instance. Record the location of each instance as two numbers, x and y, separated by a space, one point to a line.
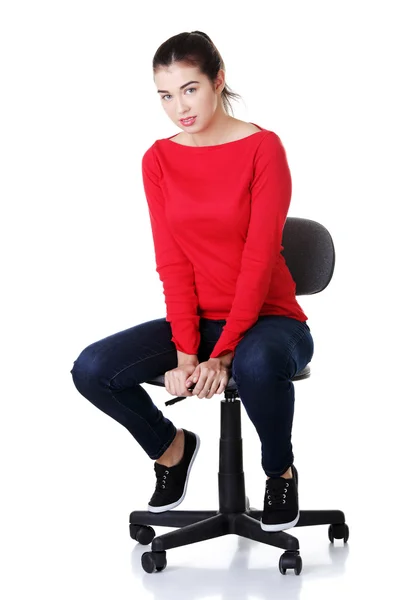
217 215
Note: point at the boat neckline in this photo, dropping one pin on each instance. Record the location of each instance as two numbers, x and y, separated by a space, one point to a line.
262 130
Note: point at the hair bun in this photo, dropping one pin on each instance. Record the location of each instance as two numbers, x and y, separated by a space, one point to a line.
203 34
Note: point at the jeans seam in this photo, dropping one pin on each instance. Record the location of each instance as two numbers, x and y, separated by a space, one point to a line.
137 362
130 409
293 346
166 445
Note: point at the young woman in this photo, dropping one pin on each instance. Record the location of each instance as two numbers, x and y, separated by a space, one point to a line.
218 195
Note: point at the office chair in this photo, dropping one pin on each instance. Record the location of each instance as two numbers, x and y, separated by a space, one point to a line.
310 256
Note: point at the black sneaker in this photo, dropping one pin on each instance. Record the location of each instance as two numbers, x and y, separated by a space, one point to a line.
172 481
281 503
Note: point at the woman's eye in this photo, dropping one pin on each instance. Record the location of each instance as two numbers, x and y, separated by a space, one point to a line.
185 90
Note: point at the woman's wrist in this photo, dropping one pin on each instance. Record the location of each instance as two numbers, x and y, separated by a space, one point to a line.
227 359
187 359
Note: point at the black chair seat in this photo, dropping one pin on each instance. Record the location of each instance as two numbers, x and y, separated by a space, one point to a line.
159 380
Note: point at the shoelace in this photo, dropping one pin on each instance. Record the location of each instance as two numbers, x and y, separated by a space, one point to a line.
276 491
161 480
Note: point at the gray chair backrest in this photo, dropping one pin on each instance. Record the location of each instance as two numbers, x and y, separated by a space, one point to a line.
309 254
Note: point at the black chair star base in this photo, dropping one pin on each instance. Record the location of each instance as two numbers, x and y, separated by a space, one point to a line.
309 255
234 514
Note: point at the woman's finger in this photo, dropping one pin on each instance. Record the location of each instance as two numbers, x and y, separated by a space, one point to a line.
166 382
173 384
200 384
213 389
208 385
222 385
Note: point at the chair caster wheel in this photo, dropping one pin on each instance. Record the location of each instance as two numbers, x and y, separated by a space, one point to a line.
144 534
338 531
290 560
154 561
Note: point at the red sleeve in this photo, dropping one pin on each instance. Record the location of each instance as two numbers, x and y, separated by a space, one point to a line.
172 265
271 190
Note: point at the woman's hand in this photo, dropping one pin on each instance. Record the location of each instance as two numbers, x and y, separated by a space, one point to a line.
174 380
211 376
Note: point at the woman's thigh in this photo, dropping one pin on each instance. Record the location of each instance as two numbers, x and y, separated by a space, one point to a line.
144 351
275 345
139 353
131 356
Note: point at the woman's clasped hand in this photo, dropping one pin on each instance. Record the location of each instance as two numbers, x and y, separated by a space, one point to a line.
210 377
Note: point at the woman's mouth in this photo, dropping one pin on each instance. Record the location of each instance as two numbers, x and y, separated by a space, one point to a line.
188 122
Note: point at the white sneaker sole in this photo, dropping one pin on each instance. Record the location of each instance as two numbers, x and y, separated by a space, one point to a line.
158 509
280 526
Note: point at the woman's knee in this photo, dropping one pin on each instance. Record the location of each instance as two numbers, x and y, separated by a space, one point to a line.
261 363
89 365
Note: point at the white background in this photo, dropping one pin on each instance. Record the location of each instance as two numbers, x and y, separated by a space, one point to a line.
78 110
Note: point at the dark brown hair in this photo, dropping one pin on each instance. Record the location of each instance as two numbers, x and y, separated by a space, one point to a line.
194 49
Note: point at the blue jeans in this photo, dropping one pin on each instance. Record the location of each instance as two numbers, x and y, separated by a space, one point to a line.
109 373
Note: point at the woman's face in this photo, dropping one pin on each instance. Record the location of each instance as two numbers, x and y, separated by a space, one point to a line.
196 99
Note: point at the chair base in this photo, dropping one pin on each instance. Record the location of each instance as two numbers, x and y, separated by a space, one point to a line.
200 525
234 514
